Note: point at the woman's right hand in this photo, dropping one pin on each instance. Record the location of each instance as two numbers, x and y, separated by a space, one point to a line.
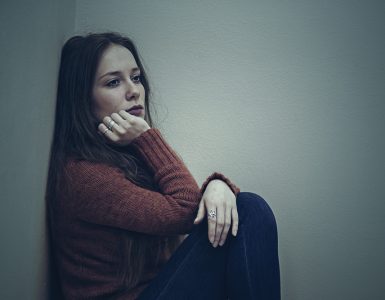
122 128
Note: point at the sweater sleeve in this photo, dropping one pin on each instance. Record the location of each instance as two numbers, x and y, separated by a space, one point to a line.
101 194
220 176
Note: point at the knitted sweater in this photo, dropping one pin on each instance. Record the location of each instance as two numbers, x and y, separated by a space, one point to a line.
99 206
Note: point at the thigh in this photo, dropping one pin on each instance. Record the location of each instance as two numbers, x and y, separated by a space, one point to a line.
195 271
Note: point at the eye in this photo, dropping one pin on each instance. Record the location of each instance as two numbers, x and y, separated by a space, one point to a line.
137 79
113 83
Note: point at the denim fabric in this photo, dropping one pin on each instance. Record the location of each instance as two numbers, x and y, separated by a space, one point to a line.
245 267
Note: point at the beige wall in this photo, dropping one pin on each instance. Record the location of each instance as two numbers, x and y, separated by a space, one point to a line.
32 33
287 99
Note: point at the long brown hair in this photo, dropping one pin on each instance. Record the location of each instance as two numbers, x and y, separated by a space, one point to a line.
75 136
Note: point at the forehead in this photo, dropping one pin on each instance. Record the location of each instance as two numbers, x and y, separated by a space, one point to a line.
114 58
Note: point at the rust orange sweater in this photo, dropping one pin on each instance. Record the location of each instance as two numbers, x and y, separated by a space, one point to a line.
99 206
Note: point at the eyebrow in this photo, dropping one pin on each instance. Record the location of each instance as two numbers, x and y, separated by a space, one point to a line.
117 72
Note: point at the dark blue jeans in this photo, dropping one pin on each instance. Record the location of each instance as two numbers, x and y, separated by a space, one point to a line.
245 267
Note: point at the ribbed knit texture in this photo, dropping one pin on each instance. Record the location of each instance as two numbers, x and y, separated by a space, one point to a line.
99 207
222 177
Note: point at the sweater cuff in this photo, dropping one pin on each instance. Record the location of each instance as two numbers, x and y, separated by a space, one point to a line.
220 176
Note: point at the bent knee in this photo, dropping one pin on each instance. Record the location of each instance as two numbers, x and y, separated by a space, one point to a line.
251 203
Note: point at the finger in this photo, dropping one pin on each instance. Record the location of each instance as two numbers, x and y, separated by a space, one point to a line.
119 126
234 220
226 227
211 222
109 123
201 213
107 133
126 116
220 225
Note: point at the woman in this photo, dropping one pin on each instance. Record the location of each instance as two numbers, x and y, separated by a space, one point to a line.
120 199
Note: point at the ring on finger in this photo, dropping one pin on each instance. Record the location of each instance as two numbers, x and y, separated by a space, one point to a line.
212 213
105 131
111 124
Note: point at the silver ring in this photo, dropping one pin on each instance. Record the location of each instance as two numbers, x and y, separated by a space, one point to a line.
105 131
111 124
212 213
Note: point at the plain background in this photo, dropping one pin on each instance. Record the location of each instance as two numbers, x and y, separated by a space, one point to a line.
286 98
31 35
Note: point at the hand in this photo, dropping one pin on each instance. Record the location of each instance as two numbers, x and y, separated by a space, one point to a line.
125 127
218 197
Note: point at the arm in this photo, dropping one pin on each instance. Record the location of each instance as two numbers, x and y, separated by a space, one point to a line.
101 194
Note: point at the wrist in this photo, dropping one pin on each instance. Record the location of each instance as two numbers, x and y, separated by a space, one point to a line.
216 182
221 178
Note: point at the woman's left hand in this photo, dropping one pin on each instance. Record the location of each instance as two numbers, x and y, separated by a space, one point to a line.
218 201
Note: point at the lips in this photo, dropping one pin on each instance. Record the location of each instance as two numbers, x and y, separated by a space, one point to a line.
135 110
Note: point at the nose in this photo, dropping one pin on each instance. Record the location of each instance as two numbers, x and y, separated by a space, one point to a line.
132 91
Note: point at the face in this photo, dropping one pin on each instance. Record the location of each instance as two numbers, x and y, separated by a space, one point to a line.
117 84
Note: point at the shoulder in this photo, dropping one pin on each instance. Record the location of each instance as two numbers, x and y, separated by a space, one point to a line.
85 166
86 182
84 171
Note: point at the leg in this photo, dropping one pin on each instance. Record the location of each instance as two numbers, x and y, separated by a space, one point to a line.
245 267
195 271
253 264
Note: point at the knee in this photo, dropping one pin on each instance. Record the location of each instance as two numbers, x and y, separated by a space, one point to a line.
253 205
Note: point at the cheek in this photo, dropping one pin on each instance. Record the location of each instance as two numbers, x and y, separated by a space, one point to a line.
142 92
105 103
